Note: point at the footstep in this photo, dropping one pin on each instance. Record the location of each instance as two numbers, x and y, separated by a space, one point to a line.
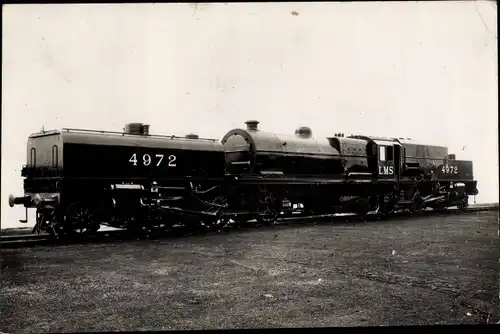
468 314
268 295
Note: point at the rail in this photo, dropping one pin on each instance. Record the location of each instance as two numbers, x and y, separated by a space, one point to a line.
27 240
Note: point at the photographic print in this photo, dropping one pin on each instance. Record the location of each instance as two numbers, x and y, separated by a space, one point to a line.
187 166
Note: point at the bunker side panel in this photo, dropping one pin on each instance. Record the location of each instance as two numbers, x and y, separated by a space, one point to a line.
455 170
96 161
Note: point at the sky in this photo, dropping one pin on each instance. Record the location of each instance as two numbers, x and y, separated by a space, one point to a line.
424 70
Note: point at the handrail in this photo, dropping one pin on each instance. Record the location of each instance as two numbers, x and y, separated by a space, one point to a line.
128 134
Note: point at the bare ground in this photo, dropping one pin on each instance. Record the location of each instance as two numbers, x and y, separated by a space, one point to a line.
401 272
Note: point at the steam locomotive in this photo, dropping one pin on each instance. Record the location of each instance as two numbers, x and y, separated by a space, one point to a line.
78 179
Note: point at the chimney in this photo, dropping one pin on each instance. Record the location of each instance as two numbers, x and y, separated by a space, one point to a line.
252 125
303 132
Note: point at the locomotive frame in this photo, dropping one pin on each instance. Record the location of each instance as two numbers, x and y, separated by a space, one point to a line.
76 179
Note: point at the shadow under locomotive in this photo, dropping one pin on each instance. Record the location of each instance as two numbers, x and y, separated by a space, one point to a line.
76 179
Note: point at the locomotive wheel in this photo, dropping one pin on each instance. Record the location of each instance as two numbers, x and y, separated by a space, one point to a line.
439 207
40 221
46 220
80 220
418 205
217 224
267 218
272 209
53 227
269 207
386 207
464 204
157 223
155 226
362 206
241 222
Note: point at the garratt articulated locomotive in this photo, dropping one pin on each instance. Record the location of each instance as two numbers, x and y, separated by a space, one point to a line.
77 179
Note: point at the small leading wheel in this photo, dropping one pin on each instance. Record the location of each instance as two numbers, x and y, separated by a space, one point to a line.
80 220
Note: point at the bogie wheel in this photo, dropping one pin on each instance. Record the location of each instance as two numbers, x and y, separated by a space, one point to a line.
80 220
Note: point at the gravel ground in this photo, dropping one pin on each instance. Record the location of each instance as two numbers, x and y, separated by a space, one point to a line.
419 271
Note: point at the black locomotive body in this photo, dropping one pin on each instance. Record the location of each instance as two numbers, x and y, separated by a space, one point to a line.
77 179
116 177
317 172
252 152
423 175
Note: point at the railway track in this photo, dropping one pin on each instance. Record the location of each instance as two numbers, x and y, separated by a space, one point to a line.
30 240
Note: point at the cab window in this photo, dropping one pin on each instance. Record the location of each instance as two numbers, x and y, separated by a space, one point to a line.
381 153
